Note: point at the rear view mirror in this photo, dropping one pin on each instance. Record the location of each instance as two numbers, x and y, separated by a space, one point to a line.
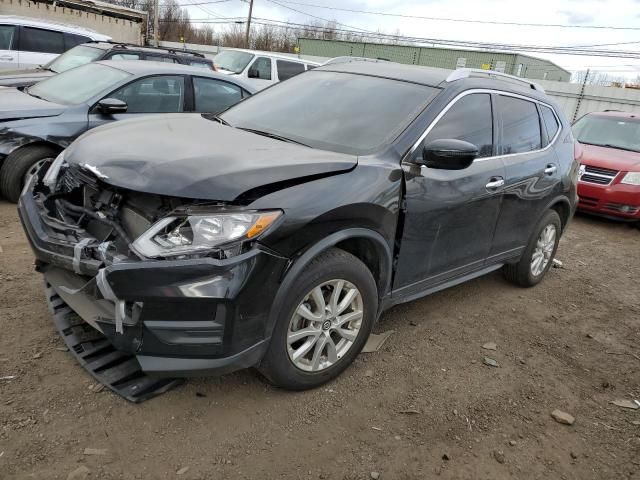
110 106
449 154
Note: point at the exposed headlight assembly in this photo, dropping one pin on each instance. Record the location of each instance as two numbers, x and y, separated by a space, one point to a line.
174 236
631 178
51 176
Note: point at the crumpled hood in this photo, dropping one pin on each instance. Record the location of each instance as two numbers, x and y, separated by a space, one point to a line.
192 157
612 158
15 105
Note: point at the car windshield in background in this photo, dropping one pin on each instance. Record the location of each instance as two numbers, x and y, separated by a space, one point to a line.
232 60
78 85
622 133
77 56
341 112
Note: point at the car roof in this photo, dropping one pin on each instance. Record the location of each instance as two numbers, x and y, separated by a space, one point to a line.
109 45
144 67
437 77
271 55
615 114
59 26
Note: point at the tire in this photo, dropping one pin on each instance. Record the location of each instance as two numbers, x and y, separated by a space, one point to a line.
334 265
17 164
522 273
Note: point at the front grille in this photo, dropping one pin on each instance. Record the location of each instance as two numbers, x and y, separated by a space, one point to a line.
601 176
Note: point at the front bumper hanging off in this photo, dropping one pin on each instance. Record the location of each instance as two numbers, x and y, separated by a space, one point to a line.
165 318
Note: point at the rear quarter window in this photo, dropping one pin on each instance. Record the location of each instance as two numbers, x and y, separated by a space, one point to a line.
550 122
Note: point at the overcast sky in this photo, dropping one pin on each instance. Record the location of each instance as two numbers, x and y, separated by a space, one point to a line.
619 13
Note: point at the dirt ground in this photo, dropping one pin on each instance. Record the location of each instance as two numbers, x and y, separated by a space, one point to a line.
424 406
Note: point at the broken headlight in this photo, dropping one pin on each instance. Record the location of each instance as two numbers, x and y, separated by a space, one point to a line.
194 234
51 176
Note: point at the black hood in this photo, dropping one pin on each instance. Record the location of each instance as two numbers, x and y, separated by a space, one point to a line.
15 105
190 156
19 78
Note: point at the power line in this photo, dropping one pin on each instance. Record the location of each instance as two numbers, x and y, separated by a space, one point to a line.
463 20
319 18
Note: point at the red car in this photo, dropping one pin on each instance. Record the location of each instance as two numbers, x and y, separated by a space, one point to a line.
609 176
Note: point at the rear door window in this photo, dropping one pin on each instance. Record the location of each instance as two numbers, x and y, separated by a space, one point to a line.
40 40
288 69
214 96
7 34
158 94
520 125
469 119
550 122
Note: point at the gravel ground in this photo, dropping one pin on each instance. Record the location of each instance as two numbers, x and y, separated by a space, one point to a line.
424 406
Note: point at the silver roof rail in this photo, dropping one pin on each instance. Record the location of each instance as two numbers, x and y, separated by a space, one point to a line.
476 72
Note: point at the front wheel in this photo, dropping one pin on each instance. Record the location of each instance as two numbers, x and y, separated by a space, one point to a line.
20 165
324 323
539 253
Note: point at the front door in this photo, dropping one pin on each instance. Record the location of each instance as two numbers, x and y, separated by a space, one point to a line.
146 96
260 72
9 56
451 214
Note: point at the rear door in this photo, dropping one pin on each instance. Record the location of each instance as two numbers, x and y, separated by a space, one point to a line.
154 95
531 168
451 214
39 46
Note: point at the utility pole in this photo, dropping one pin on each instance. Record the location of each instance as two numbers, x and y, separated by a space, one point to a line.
246 35
156 22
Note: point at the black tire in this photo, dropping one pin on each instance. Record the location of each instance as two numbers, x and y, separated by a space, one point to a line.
17 164
520 273
330 265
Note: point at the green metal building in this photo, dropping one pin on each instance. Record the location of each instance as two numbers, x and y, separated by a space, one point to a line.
449 58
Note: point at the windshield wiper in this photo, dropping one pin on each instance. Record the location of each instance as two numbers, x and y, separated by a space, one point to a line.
609 145
26 90
216 118
273 135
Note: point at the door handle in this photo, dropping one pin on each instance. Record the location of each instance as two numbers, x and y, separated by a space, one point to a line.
495 183
6 57
551 169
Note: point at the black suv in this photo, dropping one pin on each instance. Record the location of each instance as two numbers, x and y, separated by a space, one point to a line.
275 234
94 51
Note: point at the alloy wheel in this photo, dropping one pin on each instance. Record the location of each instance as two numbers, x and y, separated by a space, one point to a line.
33 169
325 325
544 250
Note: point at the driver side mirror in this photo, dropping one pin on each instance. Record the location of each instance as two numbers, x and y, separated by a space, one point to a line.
110 106
253 73
449 154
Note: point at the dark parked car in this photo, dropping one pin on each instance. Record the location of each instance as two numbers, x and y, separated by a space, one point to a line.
95 51
276 234
38 122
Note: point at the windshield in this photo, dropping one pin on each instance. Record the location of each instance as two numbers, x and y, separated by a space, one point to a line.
341 112
232 60
75 57
78 84
622 133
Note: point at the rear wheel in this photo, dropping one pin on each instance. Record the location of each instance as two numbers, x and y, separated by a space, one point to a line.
18 167
324 323
538 256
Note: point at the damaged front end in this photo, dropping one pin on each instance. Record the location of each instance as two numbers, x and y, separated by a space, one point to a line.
182 285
